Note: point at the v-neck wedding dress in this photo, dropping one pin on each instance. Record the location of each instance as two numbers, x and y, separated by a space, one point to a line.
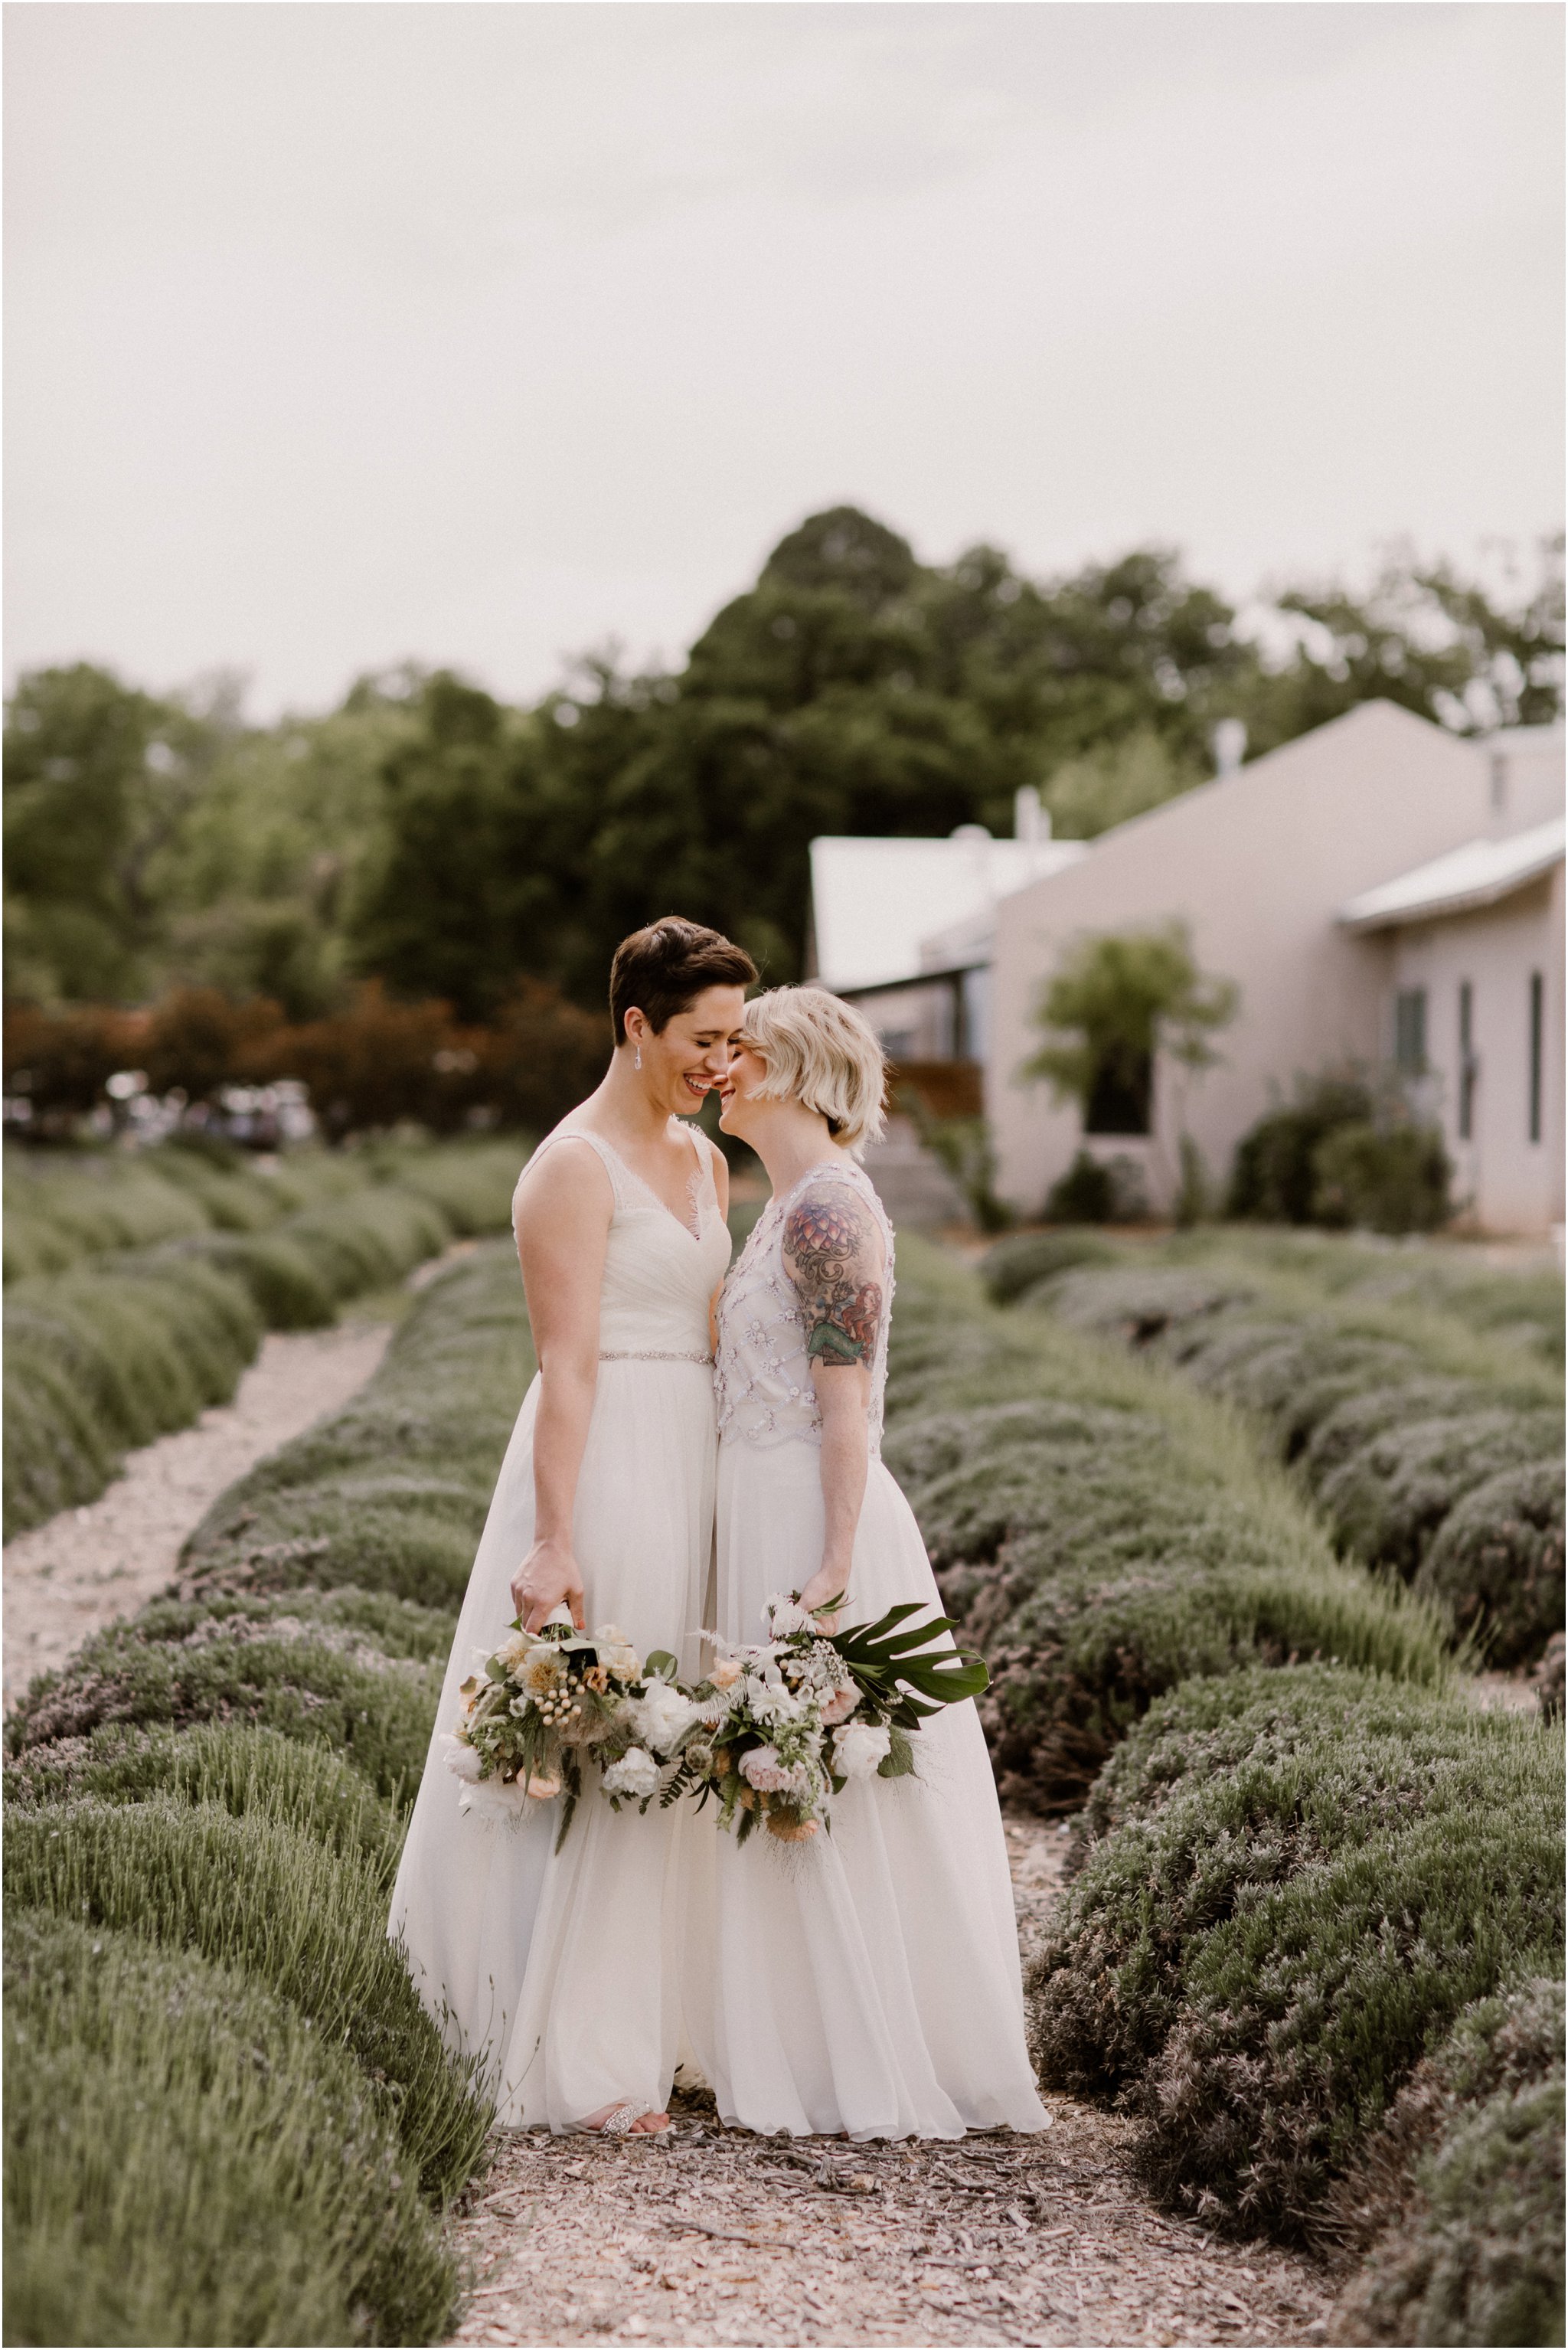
866 1982
565 1968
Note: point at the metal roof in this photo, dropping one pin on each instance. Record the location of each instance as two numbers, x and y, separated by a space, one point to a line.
1479 874
875 901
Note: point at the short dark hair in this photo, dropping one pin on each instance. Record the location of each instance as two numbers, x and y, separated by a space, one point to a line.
659 971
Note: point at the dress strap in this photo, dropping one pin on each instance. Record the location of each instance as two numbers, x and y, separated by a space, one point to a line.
610 1158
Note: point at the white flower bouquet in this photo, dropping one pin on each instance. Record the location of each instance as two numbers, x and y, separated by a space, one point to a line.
778 1730
548 1702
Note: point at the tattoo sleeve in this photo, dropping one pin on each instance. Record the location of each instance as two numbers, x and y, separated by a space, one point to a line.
832 1255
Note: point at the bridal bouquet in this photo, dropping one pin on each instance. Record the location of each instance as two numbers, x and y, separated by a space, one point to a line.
548 1702
778 1730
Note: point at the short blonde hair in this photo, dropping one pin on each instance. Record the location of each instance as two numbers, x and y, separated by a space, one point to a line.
819 1051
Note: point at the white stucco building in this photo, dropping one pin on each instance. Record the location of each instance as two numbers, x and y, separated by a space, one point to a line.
1380 890
903 926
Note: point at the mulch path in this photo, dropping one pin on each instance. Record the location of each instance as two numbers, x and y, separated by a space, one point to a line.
715 2236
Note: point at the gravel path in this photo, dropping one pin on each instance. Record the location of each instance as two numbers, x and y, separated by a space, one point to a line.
66 1578
712 2236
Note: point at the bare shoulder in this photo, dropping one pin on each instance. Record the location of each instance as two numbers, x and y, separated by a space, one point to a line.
566 1183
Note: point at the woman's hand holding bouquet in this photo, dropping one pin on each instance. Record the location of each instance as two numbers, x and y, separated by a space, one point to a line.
785 1726
548 1701
774 1733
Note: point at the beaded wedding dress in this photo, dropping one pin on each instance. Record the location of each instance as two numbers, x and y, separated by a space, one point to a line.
565 1969
866 1982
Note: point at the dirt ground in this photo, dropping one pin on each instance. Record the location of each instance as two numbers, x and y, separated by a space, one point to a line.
713 2236
66 1578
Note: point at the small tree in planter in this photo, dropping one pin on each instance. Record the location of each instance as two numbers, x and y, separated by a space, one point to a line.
1114 1002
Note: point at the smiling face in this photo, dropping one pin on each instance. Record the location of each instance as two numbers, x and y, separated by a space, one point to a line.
746 1072
690 1054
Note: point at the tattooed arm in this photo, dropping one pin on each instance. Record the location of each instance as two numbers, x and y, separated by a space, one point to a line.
833 1253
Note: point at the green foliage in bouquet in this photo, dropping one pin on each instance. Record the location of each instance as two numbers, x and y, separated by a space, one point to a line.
893 1677
780 1730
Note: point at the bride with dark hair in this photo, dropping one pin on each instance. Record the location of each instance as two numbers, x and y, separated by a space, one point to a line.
563 1970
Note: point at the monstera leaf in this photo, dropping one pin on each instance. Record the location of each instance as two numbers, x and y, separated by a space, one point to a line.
911 1670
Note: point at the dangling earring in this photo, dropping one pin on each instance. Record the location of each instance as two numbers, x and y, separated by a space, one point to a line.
638 1063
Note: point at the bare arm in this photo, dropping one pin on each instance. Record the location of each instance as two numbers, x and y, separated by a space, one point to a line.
833 1253
563 1220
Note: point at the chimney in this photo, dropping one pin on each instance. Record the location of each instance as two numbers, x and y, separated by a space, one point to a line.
1229 743
1031 822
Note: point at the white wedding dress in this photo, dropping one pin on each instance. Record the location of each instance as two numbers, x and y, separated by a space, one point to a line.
565 1969
869 1980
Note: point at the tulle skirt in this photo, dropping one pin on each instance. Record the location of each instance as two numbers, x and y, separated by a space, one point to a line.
869 1980
566 1970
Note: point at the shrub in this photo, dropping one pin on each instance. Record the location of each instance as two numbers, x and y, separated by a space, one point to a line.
237 1764
381 1063
289 1668
232 1196
1275 1177
257 1894
1102 1535
1015 1265
1390 1179
1396 1416
471 1183
1497 1561
1297 1881
59 1061
286 1288
392 1492
54 1215
111 1354
190 2161
1085 1194
369 1240
1456 2204
1388 1475
97 1361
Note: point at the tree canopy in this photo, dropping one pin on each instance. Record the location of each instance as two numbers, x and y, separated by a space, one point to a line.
431 837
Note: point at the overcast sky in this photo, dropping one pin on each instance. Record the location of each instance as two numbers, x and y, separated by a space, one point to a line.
481 334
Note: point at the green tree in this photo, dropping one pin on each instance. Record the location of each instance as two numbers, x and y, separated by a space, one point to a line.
1421 638
98 777
1113 1003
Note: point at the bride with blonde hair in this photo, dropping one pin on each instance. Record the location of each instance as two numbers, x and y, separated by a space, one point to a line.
865 1981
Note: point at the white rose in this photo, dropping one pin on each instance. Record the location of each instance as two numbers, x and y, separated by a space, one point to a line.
858 1750
783 1616
637 1773
662 1717
460 1756
616 1654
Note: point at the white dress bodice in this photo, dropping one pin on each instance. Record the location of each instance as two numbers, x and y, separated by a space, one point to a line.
762 1372
660 1272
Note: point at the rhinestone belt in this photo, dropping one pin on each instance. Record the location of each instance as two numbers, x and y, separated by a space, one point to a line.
651 1355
